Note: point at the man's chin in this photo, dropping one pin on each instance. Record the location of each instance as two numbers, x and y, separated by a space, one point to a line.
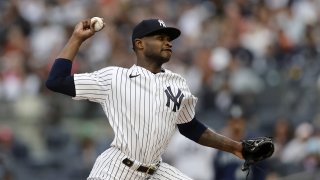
165 59
167 53
166 56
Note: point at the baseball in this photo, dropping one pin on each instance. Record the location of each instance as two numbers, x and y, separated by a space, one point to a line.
99 23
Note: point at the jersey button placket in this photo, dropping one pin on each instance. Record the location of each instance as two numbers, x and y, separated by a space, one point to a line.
156 91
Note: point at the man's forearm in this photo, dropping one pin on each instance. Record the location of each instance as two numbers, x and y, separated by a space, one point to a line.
70 49
212 139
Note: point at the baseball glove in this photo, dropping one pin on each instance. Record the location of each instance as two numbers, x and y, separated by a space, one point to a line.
255 150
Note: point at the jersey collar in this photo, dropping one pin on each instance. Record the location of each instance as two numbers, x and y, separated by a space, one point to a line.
135 69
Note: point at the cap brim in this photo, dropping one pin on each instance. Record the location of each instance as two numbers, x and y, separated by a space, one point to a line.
172 32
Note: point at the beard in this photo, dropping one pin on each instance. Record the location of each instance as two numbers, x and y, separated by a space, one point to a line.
157 57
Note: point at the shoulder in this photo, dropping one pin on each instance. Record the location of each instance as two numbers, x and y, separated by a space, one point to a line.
110 70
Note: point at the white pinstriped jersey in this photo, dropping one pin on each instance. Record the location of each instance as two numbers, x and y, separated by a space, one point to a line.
143 108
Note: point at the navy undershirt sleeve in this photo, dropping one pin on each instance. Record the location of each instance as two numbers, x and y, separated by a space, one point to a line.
60 79
192 130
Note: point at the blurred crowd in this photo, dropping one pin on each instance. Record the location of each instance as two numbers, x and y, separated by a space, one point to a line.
253 64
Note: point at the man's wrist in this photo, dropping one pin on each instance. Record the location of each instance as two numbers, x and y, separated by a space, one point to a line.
76 40
238 150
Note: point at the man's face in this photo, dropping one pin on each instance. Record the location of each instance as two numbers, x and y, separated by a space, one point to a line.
158 48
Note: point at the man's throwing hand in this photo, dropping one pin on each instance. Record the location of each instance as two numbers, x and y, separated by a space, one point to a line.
85 29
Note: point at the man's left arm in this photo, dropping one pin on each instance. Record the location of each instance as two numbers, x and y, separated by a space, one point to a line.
251 150
215 140
201 134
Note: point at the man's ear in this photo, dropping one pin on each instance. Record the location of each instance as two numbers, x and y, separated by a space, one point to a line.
138 44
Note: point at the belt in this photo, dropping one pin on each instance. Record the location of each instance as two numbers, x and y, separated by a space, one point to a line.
148 170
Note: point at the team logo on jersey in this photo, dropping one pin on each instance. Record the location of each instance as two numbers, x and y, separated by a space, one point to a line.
176 99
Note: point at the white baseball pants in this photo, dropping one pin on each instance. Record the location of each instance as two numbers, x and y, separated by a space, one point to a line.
109 166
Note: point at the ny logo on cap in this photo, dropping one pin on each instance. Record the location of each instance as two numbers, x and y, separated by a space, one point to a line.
162 23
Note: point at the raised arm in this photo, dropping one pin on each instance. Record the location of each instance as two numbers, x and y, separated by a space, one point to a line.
81 32
60 79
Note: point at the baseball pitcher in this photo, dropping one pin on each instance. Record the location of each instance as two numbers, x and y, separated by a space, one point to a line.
145 105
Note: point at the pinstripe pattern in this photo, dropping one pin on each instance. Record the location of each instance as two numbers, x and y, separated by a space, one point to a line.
167 172
138 112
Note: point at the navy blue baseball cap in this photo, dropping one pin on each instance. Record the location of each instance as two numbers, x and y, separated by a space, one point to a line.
154 26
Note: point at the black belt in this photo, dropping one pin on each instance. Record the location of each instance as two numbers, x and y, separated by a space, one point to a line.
148 170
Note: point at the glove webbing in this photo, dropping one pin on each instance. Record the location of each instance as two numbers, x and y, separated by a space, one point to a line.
249 162
246 167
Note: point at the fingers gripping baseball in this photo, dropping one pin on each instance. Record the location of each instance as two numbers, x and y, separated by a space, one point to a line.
86 24
87 28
